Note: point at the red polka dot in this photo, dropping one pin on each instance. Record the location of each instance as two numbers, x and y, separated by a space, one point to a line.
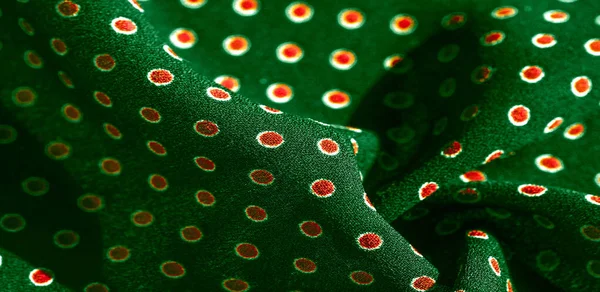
518 115
581 86
123 25
112 131
172 269
553 125
90 203
493 156
236 45
280 92
574 131
58 46
246 7
593 199
549 163
368 202
190 234
26 27
229 82
299 12
504 12
171 53
482 74
58 150
206 128
136 5
156 148
305 265
473 176
110 166
593 47
33 60
104 62
158 182
403 24
183 38
12 222
71 113
24 96
65 79
205 198
369 241
397 63
477 234
193 4
509 287
67 8
361 278
270 139
336 99
322 188
102 99
262 177
422 283
556 16
118 253
150 115
289 53
328 147
205 163
256 213
351 18
492 38
532 74
454 21
271 110
311 229
494 265
142 218
218 94
543 40
532 190
41 277
235 285
451 149
342 59
354 146
247 251
160 77
427 189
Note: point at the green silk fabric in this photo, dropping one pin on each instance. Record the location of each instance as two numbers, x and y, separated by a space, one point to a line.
260 145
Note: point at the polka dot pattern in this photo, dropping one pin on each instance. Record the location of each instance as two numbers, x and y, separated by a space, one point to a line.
128 148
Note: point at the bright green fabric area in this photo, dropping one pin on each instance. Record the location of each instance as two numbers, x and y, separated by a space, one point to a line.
472 236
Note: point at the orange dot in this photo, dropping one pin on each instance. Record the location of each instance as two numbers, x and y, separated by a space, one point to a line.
71 113
142 218
58 150
158 182
110 166
118 253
